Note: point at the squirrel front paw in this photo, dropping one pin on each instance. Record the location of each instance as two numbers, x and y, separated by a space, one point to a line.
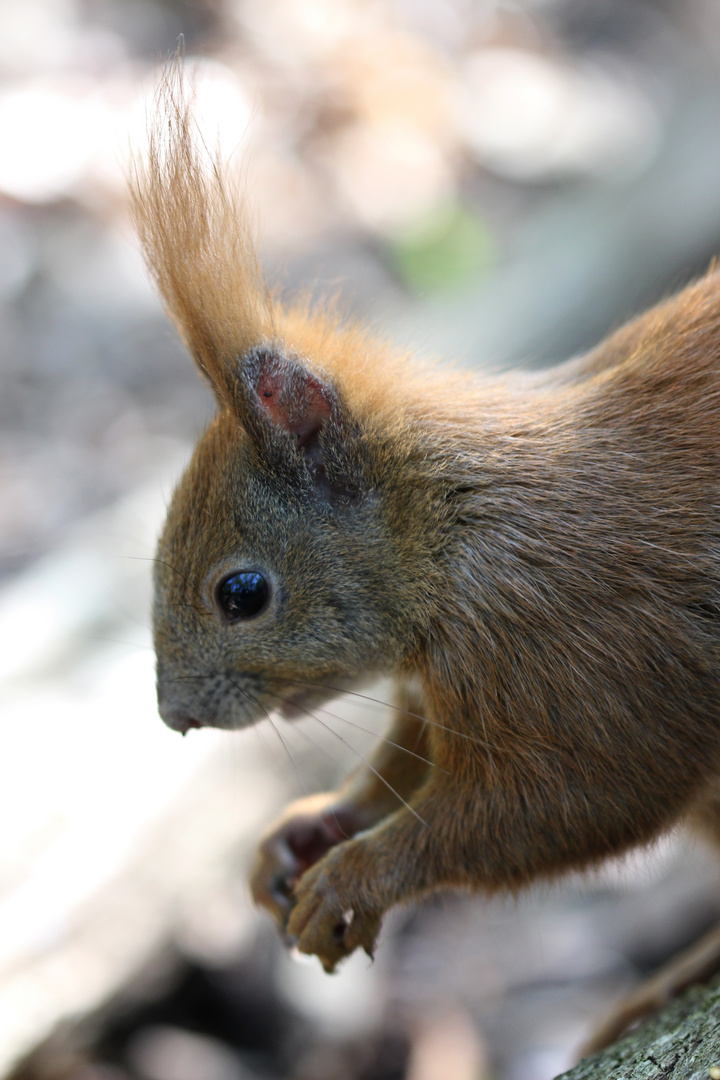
330 917
305 832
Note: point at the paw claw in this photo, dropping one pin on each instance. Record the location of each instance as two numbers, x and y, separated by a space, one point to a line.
324 917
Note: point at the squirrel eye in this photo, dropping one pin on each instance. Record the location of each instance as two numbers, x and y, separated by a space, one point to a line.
242 595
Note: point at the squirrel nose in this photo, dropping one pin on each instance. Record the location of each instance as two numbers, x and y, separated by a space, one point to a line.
178 720
185 724
173 714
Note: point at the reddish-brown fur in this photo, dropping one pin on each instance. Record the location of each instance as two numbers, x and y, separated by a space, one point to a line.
535 559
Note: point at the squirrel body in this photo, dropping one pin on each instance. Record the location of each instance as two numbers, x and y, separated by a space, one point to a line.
535 559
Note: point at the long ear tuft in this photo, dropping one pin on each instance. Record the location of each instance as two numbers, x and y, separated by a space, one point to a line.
193 227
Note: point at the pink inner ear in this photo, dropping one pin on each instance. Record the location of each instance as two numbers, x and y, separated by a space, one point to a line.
308 415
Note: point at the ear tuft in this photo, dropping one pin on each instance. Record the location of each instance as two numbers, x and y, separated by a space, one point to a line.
193 224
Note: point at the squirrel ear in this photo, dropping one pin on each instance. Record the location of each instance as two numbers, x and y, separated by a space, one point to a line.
282 393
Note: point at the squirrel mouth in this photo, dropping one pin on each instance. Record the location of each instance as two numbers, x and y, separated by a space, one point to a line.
179 721
187 724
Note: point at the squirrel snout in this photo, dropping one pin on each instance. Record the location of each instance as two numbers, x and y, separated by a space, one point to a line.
173 714
178 720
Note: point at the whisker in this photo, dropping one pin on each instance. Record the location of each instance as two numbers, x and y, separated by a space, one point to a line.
318 746
164 562
323 750
370 766
129 616
388 705
275 728
286 748
357 753
269 754
202 675
277 731
119 641
486 744
383 738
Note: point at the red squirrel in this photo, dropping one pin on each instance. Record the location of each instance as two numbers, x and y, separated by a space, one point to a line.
534 559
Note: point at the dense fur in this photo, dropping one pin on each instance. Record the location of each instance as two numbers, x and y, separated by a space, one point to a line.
536 561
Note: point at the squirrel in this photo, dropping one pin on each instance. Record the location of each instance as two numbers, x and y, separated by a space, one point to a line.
533 557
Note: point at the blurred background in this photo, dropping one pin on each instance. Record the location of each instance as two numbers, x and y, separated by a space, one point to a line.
493 181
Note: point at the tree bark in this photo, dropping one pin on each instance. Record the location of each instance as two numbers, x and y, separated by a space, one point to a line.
682 1042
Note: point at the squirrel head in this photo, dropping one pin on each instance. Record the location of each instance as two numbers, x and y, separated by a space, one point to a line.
281 573
275 572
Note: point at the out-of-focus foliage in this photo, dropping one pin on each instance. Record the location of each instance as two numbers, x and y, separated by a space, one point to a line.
444 250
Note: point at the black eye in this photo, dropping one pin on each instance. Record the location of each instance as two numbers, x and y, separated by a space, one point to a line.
242 595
